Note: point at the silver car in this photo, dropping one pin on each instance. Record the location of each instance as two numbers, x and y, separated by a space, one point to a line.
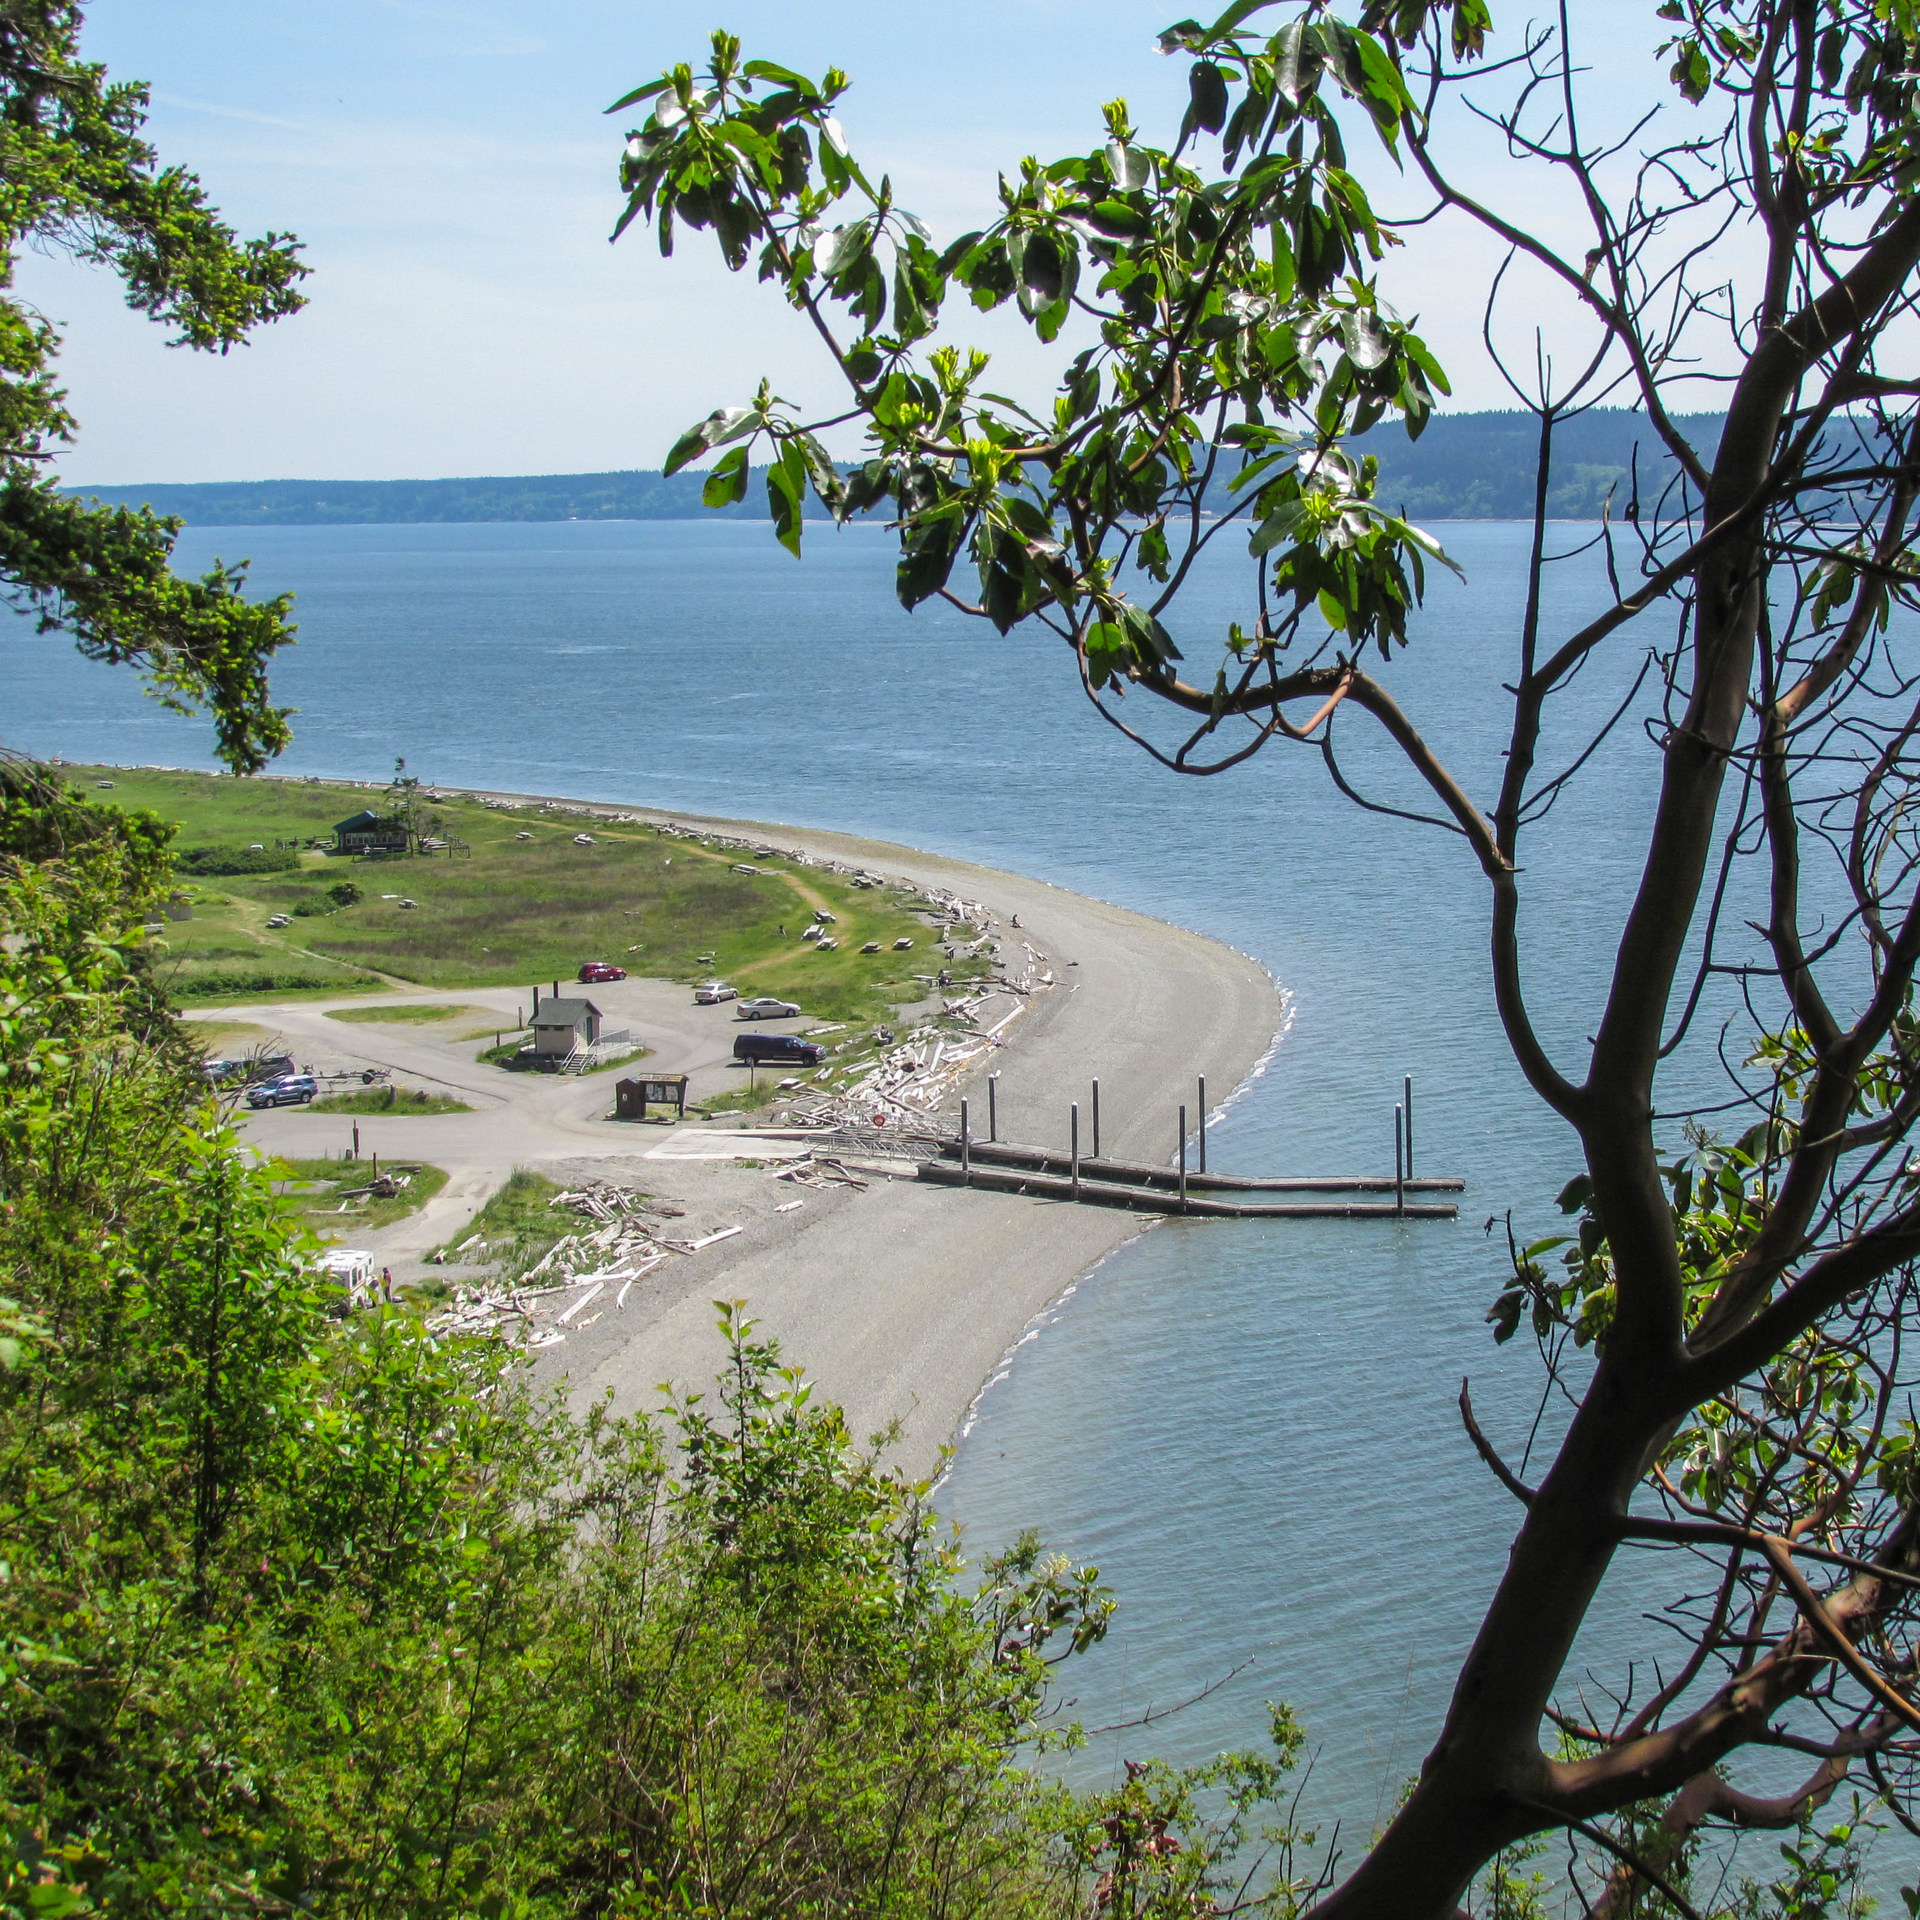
767 1009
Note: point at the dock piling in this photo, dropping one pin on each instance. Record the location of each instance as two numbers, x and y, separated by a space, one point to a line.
966 1146
993 1115
1096 1119
1183 1159
1409 1107
1203 1123
1074 1122
1399 1161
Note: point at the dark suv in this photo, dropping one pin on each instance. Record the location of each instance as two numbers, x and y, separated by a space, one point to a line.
292 1090
781 1049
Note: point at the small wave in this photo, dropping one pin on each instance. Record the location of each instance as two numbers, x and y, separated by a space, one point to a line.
1046 1317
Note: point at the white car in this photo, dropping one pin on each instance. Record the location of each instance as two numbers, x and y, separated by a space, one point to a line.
277 920
713 993
766 1009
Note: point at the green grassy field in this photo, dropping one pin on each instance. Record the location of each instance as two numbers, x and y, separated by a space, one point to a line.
480 1018
388 1099
517 911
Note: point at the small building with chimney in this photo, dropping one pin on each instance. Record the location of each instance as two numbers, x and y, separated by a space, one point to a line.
560 1026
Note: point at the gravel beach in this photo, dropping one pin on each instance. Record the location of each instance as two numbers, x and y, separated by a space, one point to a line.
901 1301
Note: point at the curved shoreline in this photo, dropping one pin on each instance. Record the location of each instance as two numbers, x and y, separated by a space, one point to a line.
903 1302
904 1305
1047 1314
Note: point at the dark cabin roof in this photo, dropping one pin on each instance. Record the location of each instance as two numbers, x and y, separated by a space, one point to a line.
564 1013
363 820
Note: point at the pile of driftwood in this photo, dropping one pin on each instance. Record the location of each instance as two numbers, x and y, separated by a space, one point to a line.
606 1202
911 1083
899 1086
383 1186
819 1170
540 1306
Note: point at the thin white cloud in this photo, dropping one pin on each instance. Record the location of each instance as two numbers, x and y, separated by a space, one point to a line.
188 105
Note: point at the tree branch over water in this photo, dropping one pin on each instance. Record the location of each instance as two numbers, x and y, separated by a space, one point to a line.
1728 1315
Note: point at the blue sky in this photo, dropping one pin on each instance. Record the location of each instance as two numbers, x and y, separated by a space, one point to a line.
451 172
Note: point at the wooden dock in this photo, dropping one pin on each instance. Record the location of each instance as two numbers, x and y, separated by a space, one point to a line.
1101 1185
1140 1173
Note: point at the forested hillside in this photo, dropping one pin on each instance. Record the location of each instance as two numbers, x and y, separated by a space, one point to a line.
1466 466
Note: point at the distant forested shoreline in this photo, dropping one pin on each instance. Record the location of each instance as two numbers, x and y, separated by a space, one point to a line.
1466 466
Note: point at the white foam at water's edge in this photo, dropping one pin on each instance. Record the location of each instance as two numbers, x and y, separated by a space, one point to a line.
1050 1313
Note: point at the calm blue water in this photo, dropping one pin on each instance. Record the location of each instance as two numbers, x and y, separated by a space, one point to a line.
1250 1427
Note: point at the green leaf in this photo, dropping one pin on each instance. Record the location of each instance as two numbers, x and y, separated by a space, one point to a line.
1115 217
640 93
959 250
1151 640
728 480
1296 61
1042 271
1240 10
1365 339
770 70
1207 91
1691 73
843 248
720 426
910 320
927 555
786 494
822 475
897 401
1130 168
1277 526
1108 650
1504 1315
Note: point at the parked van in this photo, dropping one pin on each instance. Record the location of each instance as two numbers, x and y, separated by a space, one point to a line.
784 1049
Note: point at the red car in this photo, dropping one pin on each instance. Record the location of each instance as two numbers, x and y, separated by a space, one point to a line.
595 971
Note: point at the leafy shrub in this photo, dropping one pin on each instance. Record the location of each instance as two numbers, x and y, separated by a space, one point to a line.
342 893
201 986
210 861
